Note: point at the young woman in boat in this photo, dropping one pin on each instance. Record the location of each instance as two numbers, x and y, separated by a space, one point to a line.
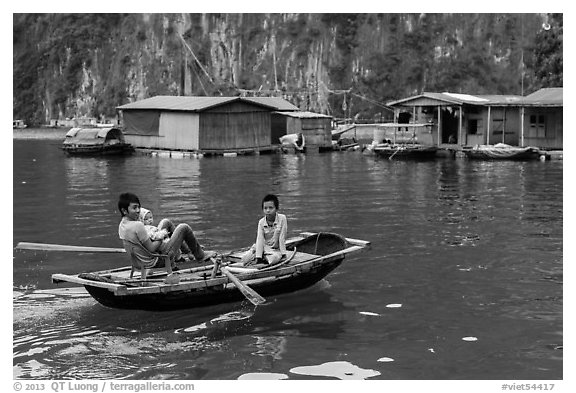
138 244
270 244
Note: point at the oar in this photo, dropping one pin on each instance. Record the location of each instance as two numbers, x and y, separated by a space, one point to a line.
61 247
248 292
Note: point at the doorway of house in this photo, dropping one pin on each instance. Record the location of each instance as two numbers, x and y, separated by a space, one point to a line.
449 132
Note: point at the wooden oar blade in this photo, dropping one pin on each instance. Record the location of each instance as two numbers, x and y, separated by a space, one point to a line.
62 247
248 292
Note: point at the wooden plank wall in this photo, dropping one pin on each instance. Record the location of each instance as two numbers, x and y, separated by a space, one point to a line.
179 130
235 126
554 128
316 131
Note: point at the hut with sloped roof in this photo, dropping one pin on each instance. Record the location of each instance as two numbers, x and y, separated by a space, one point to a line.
315 128
202 124
465 119
542 115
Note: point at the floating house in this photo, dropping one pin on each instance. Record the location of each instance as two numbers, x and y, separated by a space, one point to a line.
204 124
467 120
542 119
315 128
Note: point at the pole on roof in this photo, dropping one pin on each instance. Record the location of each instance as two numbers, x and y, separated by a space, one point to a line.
488 126
439 125
522 126
460 125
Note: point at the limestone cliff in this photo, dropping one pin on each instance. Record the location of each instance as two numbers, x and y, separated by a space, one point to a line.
73 65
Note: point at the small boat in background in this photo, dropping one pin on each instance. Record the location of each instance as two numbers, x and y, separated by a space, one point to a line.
412 151
345 144
501 151
401 141
313 257
18 124
95 141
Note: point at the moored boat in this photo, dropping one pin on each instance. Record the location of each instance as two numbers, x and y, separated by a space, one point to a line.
412 151
312 257
501 151
95 141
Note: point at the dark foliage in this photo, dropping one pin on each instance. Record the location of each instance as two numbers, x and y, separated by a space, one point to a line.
70 65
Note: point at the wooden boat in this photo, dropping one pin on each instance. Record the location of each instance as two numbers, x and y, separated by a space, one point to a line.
95 141
501 151
400 141
412 151
312 257
345 144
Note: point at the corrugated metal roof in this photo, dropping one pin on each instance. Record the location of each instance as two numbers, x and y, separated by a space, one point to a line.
305 115
543 97
433 96
198 104
279 104
551 96
178 103
499 99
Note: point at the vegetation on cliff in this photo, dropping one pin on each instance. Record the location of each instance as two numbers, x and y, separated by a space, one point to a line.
346 65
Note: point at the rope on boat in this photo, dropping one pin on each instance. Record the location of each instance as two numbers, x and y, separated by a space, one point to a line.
393 154
316 245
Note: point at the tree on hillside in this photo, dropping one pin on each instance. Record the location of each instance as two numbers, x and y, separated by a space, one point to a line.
548 58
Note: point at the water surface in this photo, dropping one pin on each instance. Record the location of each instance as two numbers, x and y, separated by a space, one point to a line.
463 281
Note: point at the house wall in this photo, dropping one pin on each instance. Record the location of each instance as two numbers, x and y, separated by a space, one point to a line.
278 127
235 126
176 131
504 125
179 130
546 134
427 115
316 131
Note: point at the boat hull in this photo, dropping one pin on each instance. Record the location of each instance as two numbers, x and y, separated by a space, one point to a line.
311 257
486 154
209 296
406 152
117 149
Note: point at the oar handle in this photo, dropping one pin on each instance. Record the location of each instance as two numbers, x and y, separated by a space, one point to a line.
248 292
62 247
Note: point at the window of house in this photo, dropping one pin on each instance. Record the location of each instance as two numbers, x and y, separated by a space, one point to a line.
474 126
537 126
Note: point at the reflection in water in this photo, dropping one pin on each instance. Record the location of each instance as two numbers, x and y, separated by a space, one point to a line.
340 370
468 249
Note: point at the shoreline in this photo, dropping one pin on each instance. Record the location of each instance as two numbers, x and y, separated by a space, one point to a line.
40 133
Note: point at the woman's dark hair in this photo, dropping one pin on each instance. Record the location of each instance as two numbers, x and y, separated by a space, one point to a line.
271 198
125 200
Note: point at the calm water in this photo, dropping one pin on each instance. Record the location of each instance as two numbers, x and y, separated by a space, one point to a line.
463 281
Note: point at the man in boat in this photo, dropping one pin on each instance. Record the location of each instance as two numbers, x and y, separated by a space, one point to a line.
134 235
